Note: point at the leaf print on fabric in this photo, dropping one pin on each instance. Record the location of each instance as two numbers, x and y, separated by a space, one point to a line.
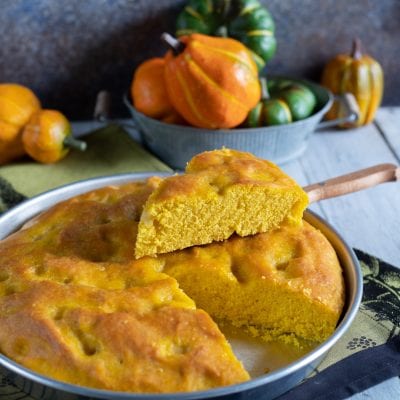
381 288
362 342
9 197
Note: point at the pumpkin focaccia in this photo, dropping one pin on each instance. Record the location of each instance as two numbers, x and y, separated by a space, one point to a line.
76 306
222 192
284 284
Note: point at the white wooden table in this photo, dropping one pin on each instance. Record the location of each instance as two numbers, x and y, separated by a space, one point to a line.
368 220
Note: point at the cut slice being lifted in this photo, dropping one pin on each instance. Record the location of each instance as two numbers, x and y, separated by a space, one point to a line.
221 192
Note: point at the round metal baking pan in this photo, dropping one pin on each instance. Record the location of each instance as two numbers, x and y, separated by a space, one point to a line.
267 386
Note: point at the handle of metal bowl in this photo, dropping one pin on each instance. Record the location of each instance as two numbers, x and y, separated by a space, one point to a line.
102 108
128 103
102 111
348 107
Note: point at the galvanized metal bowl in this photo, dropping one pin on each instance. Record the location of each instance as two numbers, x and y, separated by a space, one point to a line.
266 386
175 144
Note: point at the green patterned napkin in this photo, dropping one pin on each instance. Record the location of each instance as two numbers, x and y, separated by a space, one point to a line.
109 151
378 319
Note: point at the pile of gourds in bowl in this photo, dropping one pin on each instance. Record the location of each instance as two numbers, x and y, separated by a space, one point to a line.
209 91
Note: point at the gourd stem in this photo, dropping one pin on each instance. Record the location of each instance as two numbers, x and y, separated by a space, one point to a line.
73 143
175 45
264 89
222 31
356 49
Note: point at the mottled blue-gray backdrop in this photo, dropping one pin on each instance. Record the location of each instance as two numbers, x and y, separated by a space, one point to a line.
68 50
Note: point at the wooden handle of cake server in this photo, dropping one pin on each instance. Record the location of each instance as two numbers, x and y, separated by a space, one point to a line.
353 182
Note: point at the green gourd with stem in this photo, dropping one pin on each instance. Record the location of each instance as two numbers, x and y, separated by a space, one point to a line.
282 101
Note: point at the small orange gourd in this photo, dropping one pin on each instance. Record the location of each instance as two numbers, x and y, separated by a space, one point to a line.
148 91
358 74
47 137
212 82
17 104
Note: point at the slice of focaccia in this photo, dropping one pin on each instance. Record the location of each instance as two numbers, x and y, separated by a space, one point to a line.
221 192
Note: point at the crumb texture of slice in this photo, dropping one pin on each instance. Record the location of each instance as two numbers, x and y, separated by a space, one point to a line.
222 192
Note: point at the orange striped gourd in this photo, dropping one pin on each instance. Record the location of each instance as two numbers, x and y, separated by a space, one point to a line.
212 82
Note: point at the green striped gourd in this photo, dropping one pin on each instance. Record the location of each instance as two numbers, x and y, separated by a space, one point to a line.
282 102
244 20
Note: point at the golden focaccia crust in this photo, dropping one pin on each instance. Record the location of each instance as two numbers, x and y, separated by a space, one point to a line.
76 306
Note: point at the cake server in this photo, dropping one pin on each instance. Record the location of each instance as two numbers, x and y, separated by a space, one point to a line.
353 182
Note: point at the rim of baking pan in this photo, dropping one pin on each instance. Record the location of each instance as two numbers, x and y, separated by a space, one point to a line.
13 219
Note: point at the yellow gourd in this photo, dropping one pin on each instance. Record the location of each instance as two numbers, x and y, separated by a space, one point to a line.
358 74
17 104
47 137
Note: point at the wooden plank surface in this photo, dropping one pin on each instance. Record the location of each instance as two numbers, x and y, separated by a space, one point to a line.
388 122
368 220
388 390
